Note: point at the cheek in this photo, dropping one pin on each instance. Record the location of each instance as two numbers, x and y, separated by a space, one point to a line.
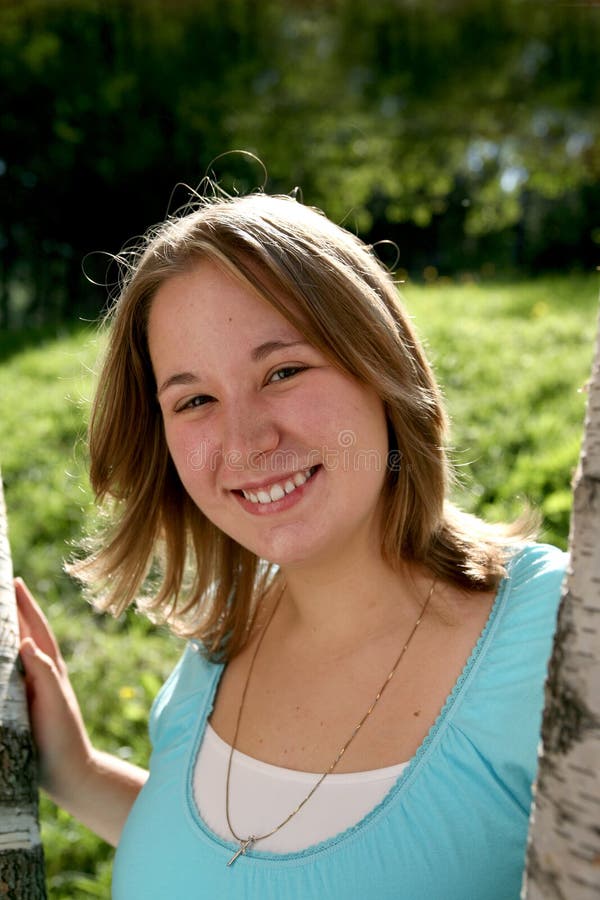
195 459
361 427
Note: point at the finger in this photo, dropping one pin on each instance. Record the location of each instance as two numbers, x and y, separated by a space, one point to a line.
42 678
40 669
33 622
35 659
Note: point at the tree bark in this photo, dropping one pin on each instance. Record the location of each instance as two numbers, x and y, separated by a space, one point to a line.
564 841
21 853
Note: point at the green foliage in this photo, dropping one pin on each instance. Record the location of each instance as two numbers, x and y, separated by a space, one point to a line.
513 358
465 129
42 412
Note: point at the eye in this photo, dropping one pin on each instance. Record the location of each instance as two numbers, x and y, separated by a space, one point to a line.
286 372
194 402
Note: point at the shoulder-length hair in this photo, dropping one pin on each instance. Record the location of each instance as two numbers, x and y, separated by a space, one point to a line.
332 288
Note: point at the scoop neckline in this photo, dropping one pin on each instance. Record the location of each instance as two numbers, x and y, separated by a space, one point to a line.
405 778
250 762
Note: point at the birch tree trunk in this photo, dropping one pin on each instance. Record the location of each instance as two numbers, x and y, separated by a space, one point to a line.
564 841
21 854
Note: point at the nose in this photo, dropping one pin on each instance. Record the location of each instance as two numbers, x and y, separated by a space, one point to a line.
250 433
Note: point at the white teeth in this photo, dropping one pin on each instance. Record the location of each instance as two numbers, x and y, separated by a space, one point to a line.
278 491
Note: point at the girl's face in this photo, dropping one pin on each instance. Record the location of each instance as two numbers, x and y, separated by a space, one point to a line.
280 449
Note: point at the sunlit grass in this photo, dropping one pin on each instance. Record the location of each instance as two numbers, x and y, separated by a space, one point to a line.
513 361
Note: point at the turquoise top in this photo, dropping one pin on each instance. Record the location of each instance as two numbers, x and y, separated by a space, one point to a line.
454 825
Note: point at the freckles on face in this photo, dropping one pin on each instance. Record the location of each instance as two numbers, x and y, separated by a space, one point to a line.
250 409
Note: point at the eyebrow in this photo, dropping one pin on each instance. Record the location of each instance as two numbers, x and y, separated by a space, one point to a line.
257 355
179 378
263 350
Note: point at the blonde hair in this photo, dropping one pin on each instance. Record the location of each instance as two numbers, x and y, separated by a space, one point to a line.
346 304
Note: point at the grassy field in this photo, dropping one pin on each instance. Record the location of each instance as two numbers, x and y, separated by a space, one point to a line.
513 360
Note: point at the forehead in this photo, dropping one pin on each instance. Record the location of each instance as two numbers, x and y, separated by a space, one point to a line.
209 300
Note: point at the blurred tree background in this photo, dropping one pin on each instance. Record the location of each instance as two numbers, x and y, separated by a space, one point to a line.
464 130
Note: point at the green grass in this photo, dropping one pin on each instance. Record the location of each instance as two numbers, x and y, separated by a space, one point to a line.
513 360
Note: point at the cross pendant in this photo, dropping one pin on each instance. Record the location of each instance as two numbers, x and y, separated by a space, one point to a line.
243 847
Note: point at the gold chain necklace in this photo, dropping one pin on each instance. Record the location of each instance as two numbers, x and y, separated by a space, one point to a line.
248 843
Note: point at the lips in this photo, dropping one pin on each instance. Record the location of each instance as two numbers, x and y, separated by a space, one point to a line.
279 489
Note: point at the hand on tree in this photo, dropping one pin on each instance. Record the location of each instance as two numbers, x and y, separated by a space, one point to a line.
97 788
56 721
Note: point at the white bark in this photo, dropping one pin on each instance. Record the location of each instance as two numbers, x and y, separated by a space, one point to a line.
21 856
564 842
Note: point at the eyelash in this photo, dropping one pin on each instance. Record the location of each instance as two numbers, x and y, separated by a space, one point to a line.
191 404
293 369
205 398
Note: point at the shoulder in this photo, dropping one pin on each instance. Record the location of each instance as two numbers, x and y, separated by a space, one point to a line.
527 607
502 707
535 574
177 699
538 559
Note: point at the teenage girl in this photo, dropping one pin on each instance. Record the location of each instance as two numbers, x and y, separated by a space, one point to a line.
357 710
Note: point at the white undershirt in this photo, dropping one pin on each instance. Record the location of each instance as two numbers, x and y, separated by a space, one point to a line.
262 796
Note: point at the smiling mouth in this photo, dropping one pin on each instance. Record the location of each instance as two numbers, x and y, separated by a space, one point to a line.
279 489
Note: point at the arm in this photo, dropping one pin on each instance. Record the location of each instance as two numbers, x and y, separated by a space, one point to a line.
97 788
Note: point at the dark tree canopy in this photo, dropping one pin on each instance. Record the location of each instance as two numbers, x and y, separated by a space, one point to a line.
466 130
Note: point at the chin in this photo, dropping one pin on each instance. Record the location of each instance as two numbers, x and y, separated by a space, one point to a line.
287 552
295 556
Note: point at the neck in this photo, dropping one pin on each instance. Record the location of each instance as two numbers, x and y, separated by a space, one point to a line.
349 599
